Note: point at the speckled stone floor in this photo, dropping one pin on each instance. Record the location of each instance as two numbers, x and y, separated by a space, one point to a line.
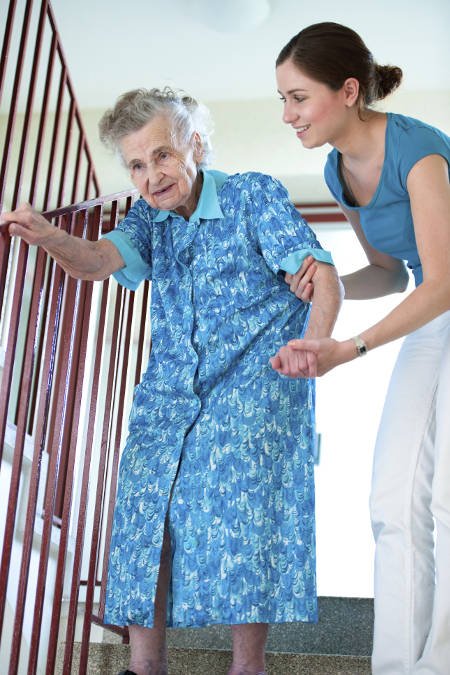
339 644
110 659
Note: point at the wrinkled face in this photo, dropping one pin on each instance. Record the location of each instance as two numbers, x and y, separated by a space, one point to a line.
163 170
315 112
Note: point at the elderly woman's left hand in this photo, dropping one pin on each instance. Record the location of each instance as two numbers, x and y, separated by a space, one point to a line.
294 363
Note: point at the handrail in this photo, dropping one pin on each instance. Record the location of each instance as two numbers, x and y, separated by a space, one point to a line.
321 212
46 332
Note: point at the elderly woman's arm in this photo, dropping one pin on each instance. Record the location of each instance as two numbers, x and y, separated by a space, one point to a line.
328 297
83 259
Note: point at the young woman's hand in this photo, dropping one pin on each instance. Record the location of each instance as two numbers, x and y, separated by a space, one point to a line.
312 357
328 352
294 362
301 283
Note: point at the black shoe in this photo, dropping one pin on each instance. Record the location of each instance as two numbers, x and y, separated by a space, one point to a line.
126 672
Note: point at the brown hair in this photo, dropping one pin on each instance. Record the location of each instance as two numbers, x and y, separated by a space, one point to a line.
330 53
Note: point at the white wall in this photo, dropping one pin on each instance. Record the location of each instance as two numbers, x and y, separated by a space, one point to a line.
349 404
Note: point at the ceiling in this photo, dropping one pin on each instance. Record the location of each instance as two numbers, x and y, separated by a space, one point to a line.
115 45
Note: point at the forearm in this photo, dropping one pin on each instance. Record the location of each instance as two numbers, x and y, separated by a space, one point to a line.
425 303
374 281
80 258
91 260
328 296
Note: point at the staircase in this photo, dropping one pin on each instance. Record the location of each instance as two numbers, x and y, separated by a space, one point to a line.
339 644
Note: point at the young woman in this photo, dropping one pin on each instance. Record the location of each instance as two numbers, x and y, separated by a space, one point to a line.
390 174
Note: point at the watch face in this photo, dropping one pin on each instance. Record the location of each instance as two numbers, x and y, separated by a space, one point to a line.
361 346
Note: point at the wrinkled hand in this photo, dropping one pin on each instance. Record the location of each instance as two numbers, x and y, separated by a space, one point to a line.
301 283
294 363
29 224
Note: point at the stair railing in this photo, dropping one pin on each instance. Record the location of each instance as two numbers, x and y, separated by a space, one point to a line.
45 155
68 401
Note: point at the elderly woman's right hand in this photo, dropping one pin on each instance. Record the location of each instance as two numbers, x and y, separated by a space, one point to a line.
29 224
301 283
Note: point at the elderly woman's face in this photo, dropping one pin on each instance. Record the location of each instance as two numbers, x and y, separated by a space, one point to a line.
164 171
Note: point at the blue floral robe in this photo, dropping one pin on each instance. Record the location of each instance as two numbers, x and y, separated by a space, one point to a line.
217 439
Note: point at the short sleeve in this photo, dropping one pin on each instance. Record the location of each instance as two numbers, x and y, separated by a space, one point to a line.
284 236
132 237
416 142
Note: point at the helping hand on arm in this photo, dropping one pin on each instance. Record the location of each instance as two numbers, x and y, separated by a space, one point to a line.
328 296
82 259
301 283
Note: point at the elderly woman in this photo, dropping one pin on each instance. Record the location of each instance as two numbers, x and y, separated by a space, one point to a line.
214 520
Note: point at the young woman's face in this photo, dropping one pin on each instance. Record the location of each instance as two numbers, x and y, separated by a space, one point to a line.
315 112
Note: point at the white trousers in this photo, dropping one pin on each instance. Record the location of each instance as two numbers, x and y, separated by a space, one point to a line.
410 509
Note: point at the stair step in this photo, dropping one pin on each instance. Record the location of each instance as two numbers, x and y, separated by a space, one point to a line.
109 659
339 644
344 627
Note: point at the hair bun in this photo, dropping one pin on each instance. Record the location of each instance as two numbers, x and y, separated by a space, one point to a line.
386 80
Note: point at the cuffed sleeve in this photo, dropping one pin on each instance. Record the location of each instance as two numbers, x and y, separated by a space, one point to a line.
133 239
135 269
294 260
284 235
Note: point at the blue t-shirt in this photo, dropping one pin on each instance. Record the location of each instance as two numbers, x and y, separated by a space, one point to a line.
387 220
